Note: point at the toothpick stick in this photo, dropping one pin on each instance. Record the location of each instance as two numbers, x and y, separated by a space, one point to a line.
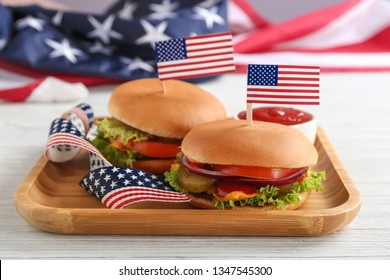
249 114
164 86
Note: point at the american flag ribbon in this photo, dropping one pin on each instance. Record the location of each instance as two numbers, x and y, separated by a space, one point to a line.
283 84
196 56
115 186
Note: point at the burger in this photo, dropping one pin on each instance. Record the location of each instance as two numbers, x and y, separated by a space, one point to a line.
229 164
149 119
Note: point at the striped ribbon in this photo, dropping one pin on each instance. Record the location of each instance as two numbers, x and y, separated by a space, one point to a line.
115 186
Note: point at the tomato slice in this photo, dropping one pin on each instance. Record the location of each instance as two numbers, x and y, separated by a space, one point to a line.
255 171
223 188
154 148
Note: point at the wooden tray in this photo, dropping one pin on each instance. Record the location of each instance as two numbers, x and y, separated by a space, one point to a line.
50 199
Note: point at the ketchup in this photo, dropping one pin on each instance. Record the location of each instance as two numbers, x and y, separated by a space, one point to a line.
224 188
282 115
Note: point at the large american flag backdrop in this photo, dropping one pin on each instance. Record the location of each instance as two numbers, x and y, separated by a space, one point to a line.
115 186
118 43
283 84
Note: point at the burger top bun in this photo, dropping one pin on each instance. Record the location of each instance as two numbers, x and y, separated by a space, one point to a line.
262 144
143 104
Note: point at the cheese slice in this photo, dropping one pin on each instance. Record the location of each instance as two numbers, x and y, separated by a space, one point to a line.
236 195
118 145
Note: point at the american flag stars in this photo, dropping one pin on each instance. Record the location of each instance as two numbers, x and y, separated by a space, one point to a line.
117 43
174 49
265 75
63 49
103 31
32 22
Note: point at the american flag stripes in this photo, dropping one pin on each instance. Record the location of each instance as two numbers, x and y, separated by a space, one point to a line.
196 56
114 186
283 84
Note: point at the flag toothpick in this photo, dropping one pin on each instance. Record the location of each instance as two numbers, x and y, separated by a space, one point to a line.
249 116
196 56
283 84
164 87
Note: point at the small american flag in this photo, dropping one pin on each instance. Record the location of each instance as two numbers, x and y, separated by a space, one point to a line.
283 84
195 56
114 186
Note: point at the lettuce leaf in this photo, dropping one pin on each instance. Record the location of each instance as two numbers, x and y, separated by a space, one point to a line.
273 195
116 157
113 128
172 177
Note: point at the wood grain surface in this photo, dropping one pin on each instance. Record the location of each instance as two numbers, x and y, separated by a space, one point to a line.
51 199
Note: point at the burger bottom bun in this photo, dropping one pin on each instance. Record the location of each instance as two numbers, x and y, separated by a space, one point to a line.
156 166
206 203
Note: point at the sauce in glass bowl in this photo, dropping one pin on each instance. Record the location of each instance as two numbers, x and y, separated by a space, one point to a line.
300 120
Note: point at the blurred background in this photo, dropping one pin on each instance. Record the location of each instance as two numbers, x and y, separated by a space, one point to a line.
274 10
83 40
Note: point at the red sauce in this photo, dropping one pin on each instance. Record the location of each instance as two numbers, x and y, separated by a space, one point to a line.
282 115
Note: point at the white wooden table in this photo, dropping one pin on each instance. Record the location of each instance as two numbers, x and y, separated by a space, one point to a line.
355 114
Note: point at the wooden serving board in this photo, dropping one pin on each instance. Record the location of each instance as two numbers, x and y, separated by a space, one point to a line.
50 199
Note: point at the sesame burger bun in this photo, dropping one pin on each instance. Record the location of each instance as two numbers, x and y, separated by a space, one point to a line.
263 144
142 104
